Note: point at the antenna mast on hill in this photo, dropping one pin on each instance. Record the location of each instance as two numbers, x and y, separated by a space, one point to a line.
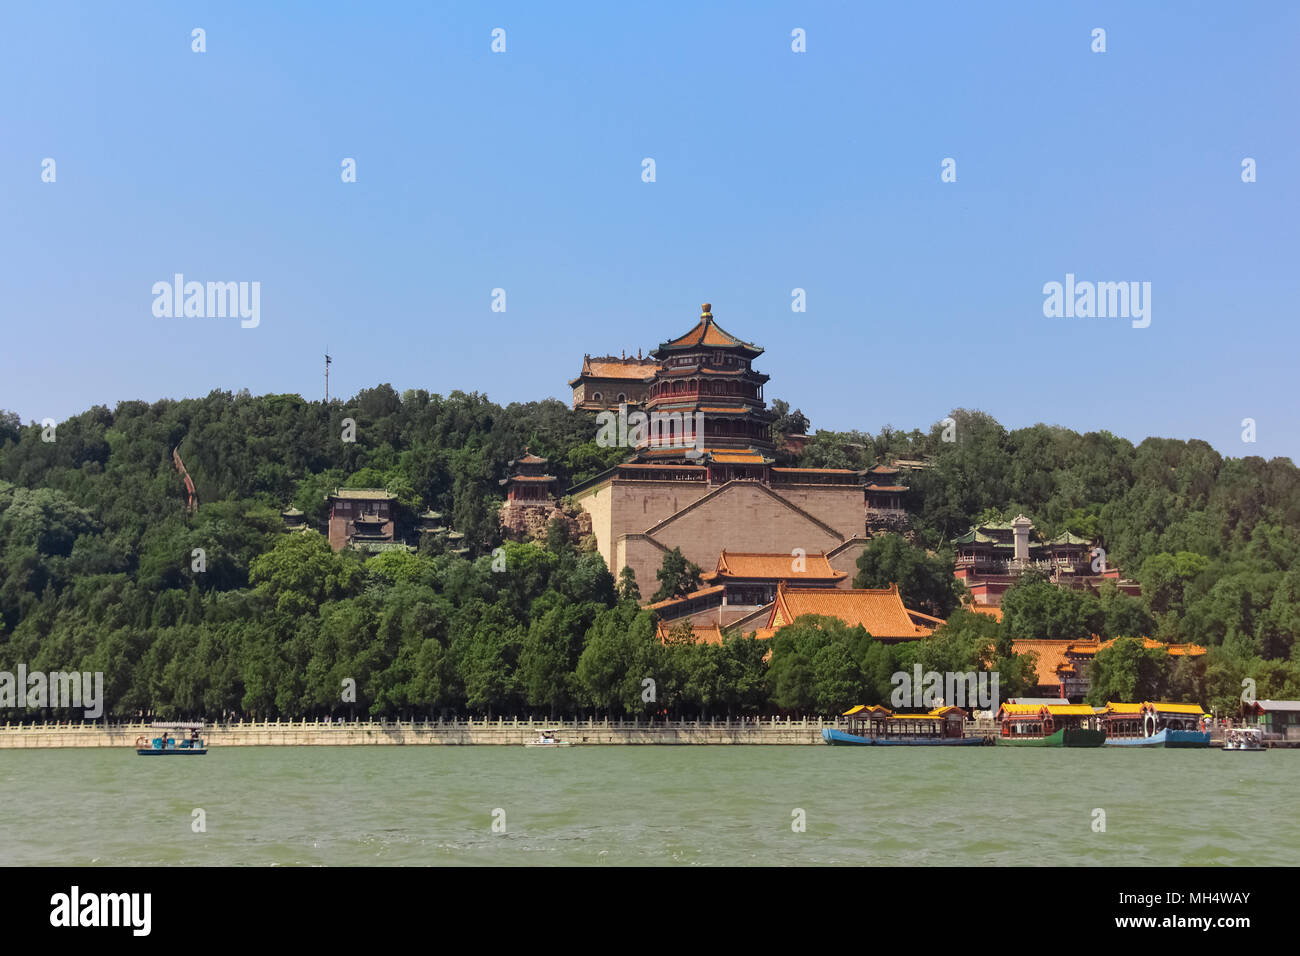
327 374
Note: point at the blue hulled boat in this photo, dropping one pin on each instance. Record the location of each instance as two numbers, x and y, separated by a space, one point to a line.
1163 738
877 726
839 738
1154 724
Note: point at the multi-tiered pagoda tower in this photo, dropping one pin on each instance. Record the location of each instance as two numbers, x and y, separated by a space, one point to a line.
706 380
721 489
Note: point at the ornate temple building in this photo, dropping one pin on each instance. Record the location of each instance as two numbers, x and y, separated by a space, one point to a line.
992 557
743 586
703 477
606 382
531 501
361 518
880 611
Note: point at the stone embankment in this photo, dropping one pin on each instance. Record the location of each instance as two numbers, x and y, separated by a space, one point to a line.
501 731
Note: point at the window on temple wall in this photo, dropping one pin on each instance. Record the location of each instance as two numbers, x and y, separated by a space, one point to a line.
595 396
622 396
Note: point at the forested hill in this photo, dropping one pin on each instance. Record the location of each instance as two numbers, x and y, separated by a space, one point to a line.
95 547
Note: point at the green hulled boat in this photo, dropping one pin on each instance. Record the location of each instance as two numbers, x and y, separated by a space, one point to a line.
1064 737
1050 725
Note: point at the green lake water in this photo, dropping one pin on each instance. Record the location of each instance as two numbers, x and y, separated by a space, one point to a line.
651 805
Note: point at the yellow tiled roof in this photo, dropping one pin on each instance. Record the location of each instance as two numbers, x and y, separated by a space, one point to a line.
1165 708
867 709
1070 710
1021 709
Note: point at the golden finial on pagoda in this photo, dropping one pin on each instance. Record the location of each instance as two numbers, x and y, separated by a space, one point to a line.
706 309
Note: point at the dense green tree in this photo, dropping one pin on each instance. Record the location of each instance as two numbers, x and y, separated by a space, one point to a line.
627 587
925 582
677 577
1129 672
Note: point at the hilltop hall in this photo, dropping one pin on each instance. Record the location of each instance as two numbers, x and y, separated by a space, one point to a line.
722 489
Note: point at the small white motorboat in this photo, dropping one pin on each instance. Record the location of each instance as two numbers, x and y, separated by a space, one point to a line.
1243 738
547 738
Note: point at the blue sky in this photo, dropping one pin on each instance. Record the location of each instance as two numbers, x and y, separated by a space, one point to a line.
774 170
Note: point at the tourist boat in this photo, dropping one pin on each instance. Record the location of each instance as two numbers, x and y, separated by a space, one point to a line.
1154 724
1243 738
169 746
1050 725
547 738
877 726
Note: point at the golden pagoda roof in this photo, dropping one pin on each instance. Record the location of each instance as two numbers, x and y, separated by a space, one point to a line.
708 334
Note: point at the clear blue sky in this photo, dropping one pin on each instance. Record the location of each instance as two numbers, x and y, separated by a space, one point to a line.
775 170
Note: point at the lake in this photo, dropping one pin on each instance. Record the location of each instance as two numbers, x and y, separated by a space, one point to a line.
650 805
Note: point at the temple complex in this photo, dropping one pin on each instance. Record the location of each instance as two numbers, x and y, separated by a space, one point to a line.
702 477
992 557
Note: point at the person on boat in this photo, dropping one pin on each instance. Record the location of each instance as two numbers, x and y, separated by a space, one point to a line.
164 740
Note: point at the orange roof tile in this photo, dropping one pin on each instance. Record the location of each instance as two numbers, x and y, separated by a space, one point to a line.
751 564
993 612
1176 650
1051 660
880 611
706 332
702 592
608 366
704 633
